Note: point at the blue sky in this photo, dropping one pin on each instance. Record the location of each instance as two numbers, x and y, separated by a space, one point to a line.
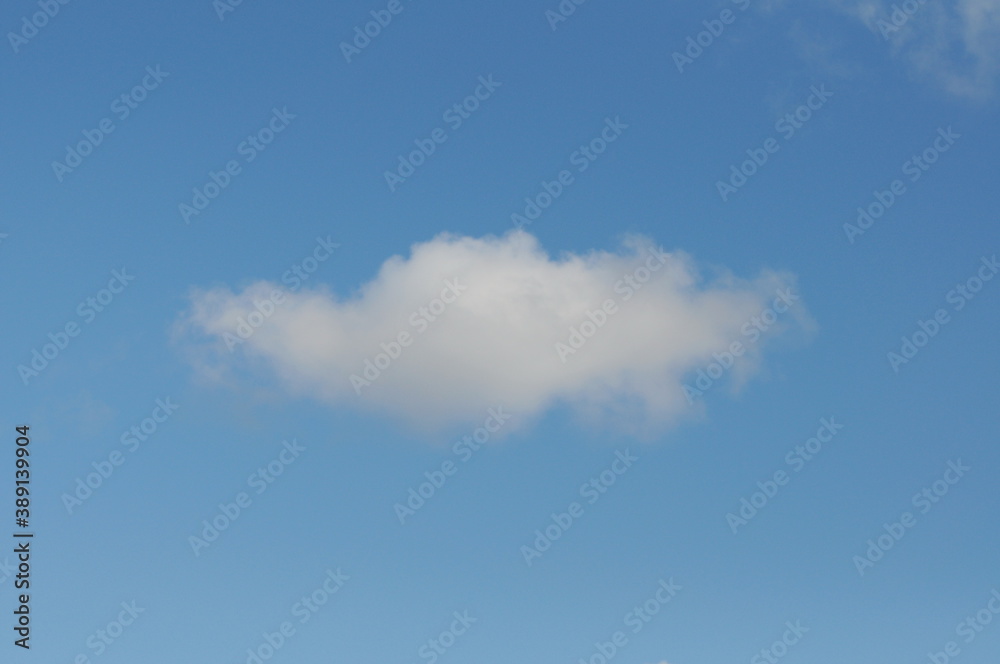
690 198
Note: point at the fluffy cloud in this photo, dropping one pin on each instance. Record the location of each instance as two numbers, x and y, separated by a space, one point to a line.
956 44
464 324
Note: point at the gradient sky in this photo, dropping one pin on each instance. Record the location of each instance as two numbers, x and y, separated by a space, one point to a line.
665 518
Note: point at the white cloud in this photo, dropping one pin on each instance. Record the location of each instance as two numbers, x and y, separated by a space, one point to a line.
955 44
496 343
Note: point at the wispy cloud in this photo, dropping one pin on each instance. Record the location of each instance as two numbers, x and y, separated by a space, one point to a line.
956 45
